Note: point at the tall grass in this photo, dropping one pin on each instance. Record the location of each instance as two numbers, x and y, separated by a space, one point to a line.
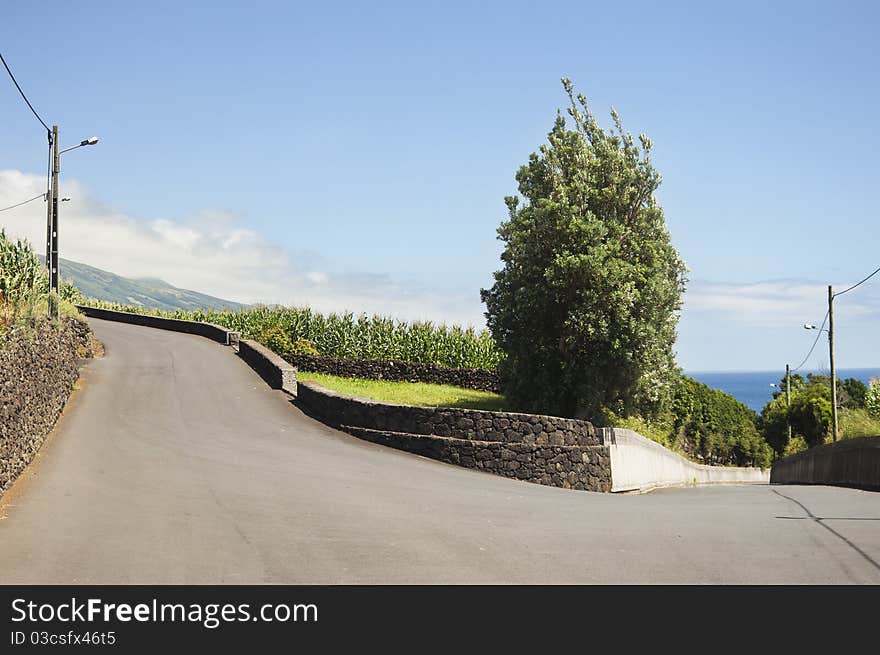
347 335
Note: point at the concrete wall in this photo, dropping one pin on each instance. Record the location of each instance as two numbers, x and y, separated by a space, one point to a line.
38 367
216 332
541 449
277 373
848 463
638 464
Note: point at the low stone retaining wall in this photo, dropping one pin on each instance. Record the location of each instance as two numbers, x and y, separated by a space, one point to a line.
503 427
38 367
542 449
468 378
277 373
210 330
847 463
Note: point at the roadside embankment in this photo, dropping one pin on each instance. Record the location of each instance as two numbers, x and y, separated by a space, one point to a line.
640 464
38 367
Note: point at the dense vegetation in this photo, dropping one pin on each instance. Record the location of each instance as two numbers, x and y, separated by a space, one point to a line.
809 413
707 425
24 285
586 304
300 330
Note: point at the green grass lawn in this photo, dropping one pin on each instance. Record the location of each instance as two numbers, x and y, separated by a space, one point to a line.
409 393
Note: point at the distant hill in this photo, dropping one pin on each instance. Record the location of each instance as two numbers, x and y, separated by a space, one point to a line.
147 292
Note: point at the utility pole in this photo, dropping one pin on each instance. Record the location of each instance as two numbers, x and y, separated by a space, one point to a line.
788 399
52 255
52 141
831 358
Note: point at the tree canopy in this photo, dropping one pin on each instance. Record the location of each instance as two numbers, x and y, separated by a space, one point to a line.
586 304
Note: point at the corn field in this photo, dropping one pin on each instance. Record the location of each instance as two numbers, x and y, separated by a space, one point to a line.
23 280
348 336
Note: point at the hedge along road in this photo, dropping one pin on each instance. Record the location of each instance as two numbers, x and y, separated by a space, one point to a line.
175 463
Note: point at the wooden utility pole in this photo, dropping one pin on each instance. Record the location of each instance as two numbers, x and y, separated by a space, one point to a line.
831 358
788 399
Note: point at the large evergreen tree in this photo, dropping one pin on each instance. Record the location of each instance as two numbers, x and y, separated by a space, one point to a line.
586 304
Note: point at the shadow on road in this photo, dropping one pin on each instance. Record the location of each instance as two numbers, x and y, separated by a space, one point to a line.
821 521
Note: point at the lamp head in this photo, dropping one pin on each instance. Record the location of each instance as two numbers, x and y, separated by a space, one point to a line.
90 141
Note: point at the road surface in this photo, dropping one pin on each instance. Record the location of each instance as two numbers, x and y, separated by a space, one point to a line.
175 463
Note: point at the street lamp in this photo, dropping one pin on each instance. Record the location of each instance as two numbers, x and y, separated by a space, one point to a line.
52 217
87 142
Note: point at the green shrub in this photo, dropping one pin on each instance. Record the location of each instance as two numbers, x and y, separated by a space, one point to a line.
810 413
858 422
715 427
276 338
796 445
304 347
70 293
705 424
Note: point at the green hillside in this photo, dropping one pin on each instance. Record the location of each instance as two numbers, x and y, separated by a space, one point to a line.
146 292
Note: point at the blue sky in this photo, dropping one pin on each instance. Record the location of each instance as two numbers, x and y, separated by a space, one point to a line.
356 155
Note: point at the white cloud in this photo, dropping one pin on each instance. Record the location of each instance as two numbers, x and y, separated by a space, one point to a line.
778 303
212 253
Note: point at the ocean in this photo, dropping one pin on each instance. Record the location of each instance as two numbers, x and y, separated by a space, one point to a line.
753 388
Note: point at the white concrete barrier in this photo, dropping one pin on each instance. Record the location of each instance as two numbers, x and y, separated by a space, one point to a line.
639 464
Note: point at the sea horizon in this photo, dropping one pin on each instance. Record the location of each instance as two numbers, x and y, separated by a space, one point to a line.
752 388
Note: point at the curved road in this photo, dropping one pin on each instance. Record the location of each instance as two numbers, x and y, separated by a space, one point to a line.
175 463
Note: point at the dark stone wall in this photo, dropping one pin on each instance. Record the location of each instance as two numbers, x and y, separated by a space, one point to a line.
542 449
211 331
38 366
847 463
504 427
469 378
570 467
277 373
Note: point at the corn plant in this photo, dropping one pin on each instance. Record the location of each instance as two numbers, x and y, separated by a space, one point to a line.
23 280
347 335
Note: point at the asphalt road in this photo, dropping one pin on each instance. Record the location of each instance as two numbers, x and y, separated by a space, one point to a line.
175 463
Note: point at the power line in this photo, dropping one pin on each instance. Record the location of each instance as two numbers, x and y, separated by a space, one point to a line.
14 81
840 293
42 195
813 347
